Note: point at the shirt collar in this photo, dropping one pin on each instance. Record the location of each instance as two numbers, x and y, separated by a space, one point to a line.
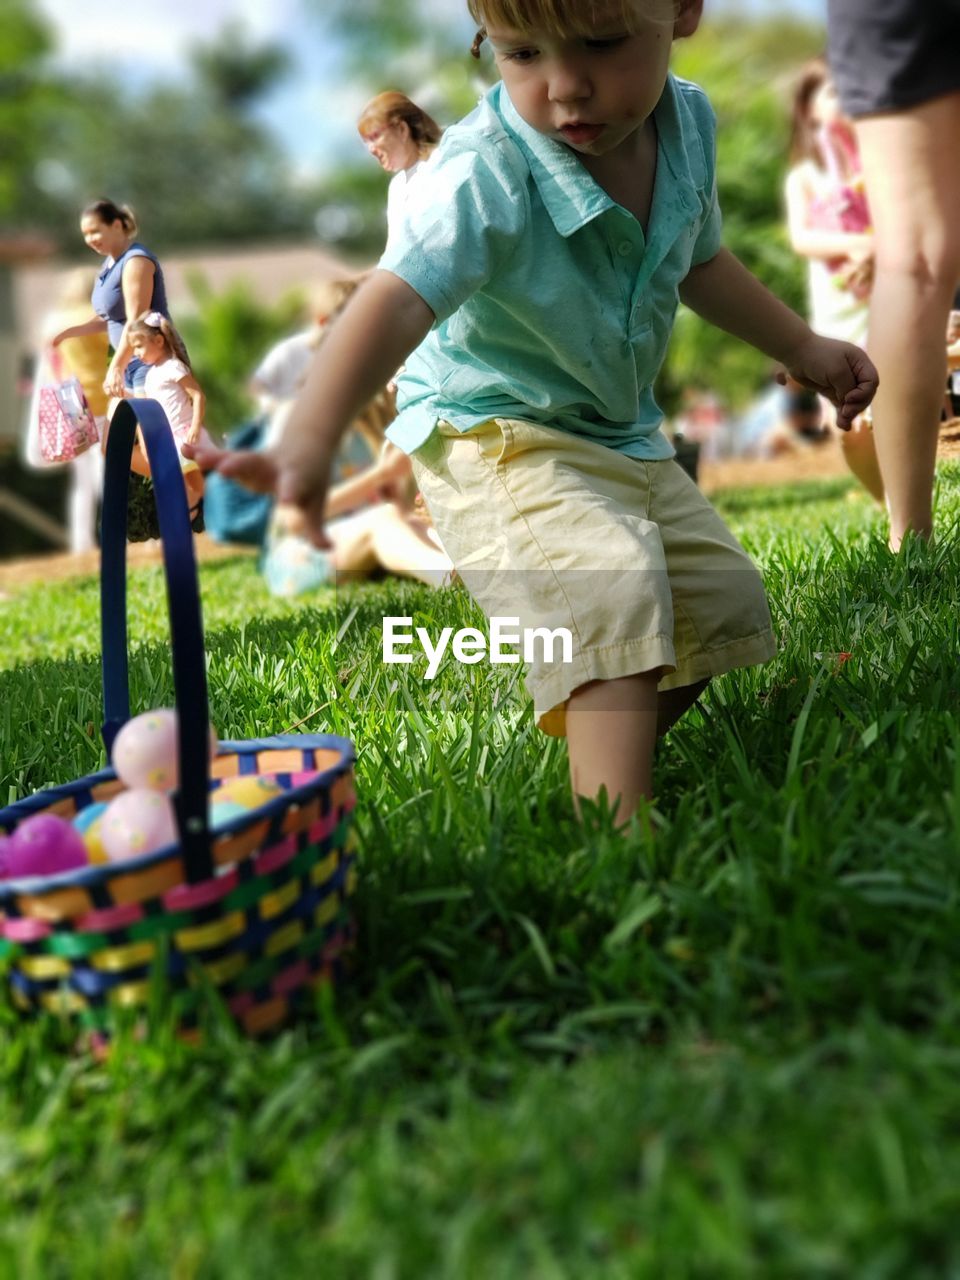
570 195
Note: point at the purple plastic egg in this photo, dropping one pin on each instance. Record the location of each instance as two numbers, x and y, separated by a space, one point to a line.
43 845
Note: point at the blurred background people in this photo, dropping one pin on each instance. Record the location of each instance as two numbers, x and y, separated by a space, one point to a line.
84 357
829 224
401 137
129 283
952 401
897 70
170 381
786 419
374 520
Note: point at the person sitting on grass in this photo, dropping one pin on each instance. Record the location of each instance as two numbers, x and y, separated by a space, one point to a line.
531 292
374 523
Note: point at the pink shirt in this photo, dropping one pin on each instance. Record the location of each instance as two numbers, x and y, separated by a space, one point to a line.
163 385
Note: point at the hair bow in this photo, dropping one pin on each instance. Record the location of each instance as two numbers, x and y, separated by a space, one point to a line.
154 319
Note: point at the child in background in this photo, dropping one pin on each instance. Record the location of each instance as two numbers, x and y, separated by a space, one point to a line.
279 376
170 381
373 523
86 357
531 291
829 225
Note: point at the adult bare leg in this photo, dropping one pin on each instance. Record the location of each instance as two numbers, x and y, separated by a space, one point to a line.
914 187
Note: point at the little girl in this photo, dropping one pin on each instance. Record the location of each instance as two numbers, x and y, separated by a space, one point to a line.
171 383
829 225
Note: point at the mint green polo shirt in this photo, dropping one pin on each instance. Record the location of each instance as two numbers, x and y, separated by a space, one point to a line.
551 304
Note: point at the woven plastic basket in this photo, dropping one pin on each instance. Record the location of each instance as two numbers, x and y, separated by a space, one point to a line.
257 909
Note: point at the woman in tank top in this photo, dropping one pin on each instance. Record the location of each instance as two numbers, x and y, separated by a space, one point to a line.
130 283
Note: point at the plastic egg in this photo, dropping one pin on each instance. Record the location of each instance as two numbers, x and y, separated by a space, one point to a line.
85 819
43 845
238 796
89 822
250 792
145 751
224 812
137 822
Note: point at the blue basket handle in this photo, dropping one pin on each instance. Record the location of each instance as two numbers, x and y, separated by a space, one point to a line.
183 602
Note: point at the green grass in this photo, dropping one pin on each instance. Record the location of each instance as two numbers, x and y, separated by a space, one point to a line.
726 1050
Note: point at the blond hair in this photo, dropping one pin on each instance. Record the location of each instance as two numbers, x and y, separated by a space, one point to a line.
396 108
329 297
566 17
150 323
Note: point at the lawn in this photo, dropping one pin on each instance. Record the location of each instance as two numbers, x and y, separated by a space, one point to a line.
724 1044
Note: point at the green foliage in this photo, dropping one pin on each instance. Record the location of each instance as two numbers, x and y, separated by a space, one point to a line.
745 68
227 337
722 1043
192 159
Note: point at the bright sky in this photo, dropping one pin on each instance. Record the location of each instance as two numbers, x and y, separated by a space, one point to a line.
312 113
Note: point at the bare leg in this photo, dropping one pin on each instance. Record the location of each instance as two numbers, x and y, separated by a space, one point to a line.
86 483
611 732
402 545
914 190
193 483
860 451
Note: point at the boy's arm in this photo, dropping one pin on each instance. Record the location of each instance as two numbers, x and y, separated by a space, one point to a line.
383 322
726 294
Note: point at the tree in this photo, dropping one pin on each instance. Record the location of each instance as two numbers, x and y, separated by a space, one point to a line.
746 68
192 160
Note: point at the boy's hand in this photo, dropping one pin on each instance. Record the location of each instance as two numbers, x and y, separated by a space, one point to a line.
841 372
261 472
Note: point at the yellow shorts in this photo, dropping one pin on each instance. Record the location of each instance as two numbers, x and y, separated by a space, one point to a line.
627 555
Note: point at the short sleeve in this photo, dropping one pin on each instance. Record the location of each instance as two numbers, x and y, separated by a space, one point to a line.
462 219
710 237
176 370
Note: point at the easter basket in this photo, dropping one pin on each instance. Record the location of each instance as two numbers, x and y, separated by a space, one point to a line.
256 908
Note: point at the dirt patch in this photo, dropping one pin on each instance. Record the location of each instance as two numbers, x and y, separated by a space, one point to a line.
949 447
821 462
52 568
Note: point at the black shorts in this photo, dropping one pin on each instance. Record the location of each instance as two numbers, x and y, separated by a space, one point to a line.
886 55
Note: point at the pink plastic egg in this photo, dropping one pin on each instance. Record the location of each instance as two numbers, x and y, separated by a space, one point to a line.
145 751
137 822
43 845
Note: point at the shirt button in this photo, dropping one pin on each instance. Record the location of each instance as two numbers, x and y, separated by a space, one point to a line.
624 248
